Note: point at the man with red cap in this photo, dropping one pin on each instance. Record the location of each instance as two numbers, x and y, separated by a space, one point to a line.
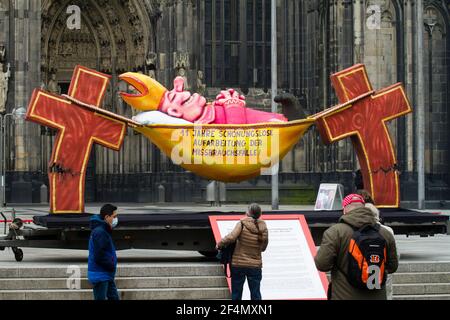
333 253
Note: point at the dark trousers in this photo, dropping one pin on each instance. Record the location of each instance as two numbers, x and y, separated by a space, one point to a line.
254 277
106 290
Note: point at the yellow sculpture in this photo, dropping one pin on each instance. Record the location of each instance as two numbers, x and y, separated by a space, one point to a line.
208 144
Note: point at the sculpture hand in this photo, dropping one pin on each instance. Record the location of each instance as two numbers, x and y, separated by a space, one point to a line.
230 98
178 95
292 109
181 104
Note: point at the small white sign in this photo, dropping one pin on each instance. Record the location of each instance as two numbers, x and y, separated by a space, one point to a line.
329 197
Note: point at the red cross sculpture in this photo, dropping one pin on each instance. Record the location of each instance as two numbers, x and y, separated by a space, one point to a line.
78 129
362 116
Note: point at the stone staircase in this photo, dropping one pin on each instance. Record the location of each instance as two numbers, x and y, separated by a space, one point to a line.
191 281
149 282
422 281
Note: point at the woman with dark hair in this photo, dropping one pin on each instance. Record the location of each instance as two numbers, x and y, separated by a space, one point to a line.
251 237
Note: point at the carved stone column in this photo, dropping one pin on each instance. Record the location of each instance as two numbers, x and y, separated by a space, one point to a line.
409 79
358 20
25 46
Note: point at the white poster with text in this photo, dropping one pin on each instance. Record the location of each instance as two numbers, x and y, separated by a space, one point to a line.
288 270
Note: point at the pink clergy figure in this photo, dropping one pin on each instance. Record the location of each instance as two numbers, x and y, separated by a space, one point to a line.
228 108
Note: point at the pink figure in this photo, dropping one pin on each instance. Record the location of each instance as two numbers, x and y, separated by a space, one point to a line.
228 108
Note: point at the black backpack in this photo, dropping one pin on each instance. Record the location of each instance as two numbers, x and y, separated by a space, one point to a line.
367 249
225 256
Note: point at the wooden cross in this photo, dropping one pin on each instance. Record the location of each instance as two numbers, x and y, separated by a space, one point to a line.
362 116
79 127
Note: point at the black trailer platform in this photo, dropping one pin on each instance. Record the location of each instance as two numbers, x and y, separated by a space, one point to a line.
188 230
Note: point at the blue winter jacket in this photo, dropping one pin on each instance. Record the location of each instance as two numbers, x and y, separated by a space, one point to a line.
102 262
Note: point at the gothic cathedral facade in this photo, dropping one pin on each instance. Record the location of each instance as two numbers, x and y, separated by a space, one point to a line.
219 44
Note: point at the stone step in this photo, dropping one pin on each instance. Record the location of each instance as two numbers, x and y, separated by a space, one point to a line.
430 266
203 280
125 294
417 277
122 283
421 277
421 288
421 268
423 297
166 270
155 270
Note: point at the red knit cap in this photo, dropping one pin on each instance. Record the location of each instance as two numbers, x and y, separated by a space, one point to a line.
352 198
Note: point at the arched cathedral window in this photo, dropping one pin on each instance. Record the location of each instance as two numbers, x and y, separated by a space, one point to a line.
436 76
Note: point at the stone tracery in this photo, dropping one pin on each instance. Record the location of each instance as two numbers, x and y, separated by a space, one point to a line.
102 43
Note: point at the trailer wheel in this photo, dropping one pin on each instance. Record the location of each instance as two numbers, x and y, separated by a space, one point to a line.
18 254
208 254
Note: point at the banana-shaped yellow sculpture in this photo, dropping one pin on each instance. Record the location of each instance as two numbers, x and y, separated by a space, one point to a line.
228 153
222 152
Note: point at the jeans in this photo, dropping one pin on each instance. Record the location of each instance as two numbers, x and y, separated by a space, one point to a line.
106 290
254 277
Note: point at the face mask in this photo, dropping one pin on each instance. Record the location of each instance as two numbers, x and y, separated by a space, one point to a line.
115 222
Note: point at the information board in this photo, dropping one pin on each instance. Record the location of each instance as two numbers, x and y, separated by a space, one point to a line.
289 271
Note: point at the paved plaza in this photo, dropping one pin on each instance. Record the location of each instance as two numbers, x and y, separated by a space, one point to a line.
412 249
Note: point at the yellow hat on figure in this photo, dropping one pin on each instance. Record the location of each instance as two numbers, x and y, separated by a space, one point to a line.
150 92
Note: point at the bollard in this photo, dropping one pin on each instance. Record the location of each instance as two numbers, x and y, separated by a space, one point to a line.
161 194
222 192
216 193
44 194
211 193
